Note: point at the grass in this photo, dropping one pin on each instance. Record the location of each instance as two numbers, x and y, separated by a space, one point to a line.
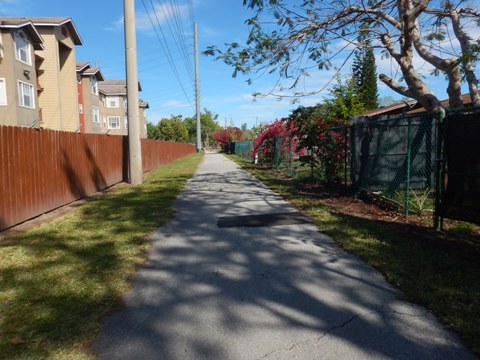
438 270
58 280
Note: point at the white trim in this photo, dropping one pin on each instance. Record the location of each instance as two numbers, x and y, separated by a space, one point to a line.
1 46
112 101
94 85
20 35
117 118
96 111
3 92
21 94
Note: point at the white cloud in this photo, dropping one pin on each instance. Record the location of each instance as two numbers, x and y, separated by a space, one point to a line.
159 15
174 104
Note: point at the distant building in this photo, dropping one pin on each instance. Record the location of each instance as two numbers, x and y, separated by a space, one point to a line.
113 107
18 74
88 78
45 55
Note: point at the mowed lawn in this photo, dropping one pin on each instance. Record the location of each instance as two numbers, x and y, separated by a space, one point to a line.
58 280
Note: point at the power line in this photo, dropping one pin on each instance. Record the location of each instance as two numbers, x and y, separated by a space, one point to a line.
164 46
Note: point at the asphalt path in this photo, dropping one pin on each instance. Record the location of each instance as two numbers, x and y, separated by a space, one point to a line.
238 274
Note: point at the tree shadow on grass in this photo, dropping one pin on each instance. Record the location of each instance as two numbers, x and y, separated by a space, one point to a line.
57 281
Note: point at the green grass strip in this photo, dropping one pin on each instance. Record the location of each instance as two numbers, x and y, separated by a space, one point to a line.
58 280
437 270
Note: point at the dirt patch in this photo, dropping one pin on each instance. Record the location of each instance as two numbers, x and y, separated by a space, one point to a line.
366 206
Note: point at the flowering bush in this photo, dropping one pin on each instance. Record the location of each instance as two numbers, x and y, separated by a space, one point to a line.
225 137
279 136
325 145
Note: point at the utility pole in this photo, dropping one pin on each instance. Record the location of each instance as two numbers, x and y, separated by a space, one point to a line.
197 89
134 143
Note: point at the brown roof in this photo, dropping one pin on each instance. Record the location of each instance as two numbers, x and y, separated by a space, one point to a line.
466 99
114 87
84 68
27 26
143 104
392 109
50 22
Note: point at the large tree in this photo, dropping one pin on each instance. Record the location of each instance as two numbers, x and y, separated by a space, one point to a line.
312 29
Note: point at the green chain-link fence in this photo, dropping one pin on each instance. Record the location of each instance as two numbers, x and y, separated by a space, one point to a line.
242 149
395 159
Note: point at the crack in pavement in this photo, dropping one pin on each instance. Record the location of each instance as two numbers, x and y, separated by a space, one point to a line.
301 343
333 328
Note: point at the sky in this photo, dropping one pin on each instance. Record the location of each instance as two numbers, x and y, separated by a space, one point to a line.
165 56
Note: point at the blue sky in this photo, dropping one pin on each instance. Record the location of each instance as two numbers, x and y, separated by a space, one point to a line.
100 24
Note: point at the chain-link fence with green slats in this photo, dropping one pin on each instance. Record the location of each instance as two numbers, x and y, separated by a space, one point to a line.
395 159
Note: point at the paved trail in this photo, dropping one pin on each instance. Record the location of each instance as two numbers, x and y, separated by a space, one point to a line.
278 289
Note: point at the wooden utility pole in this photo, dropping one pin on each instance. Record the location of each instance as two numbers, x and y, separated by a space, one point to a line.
134 142
197 89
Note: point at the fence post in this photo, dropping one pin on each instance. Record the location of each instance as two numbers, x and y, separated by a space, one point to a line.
409 145
345 154
439 173
352 159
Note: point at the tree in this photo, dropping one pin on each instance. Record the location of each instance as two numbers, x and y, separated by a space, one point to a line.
152 131
310 29
172 129
209 125
364 70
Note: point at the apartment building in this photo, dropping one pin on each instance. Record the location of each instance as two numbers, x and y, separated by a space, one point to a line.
88 98
47 55
18 74
113 107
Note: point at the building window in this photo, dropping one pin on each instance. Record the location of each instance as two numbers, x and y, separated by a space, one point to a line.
113 122
112 102
94 86
3 92
125 120
22 48
25 95
96 114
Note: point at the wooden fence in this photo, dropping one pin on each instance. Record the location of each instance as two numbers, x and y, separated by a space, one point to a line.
41 170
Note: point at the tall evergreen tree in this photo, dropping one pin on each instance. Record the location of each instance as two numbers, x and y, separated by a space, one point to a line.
364 70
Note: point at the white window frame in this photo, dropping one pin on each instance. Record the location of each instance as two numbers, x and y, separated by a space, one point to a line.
25 49
96 114
109 123
125 120
112 102
3 92
94 85
21 94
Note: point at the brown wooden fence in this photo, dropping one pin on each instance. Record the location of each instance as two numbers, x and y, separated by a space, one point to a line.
41 170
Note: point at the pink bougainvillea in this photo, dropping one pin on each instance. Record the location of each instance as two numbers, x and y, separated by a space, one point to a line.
280 136
225 137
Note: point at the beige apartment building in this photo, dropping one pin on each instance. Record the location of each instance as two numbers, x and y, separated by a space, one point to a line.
113 108
88 78
18 74
49 61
